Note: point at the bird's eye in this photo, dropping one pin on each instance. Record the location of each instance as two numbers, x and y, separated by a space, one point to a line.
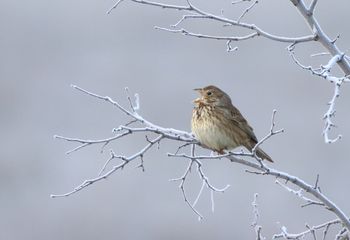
209 93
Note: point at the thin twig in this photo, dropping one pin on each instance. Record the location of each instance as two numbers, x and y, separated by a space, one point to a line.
247 10
182 180
286 235
270 134
227 38
114 6
300 194
197 11
239 1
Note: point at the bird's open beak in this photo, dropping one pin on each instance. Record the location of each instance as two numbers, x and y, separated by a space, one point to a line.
198 100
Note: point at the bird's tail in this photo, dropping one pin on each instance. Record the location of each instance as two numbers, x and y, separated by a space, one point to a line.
263 155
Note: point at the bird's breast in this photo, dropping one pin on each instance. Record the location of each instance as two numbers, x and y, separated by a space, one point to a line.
211 129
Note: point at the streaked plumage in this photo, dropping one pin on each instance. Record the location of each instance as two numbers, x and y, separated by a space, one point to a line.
218 125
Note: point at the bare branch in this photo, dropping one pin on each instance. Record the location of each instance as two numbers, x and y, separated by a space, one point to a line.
321 35
239 1
325 231
125 161
162 5
205 182
311 230
182 180
88 182
320 54
200 194
300 194
331 112
312 7
150 127
184 17
114 6
187 33
270 134
229 47
87 142
173 134
182 146
247 10
198 13
252 27
282 175
129 99
206 179
107 162
342 235
254 224
324 72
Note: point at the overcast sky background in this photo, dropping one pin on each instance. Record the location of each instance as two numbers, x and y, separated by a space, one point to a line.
47 45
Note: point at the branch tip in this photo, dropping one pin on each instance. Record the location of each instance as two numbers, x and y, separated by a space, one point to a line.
114 6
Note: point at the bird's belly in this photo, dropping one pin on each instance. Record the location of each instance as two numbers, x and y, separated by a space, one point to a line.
214 137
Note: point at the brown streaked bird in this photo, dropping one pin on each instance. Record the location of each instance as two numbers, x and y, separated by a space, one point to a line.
219 126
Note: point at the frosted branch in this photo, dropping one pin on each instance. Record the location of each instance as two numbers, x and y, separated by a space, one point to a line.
310 230
205 181
300 194
321 36
196 12
125 160
239 1
324 72
269 135
257 228
182 180
114 6
227 38
342 235
246 11
186 138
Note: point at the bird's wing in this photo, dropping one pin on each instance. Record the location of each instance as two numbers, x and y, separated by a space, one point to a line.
237 118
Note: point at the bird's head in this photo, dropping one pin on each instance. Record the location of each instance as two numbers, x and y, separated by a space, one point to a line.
211 95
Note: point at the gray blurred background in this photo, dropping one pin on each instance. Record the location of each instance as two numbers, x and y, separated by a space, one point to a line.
47 45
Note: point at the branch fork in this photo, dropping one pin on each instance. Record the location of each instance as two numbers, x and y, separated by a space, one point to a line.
187 139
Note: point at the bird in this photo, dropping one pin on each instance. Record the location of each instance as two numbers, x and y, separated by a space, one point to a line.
220 126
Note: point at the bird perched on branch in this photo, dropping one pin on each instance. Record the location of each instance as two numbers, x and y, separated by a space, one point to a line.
219 126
